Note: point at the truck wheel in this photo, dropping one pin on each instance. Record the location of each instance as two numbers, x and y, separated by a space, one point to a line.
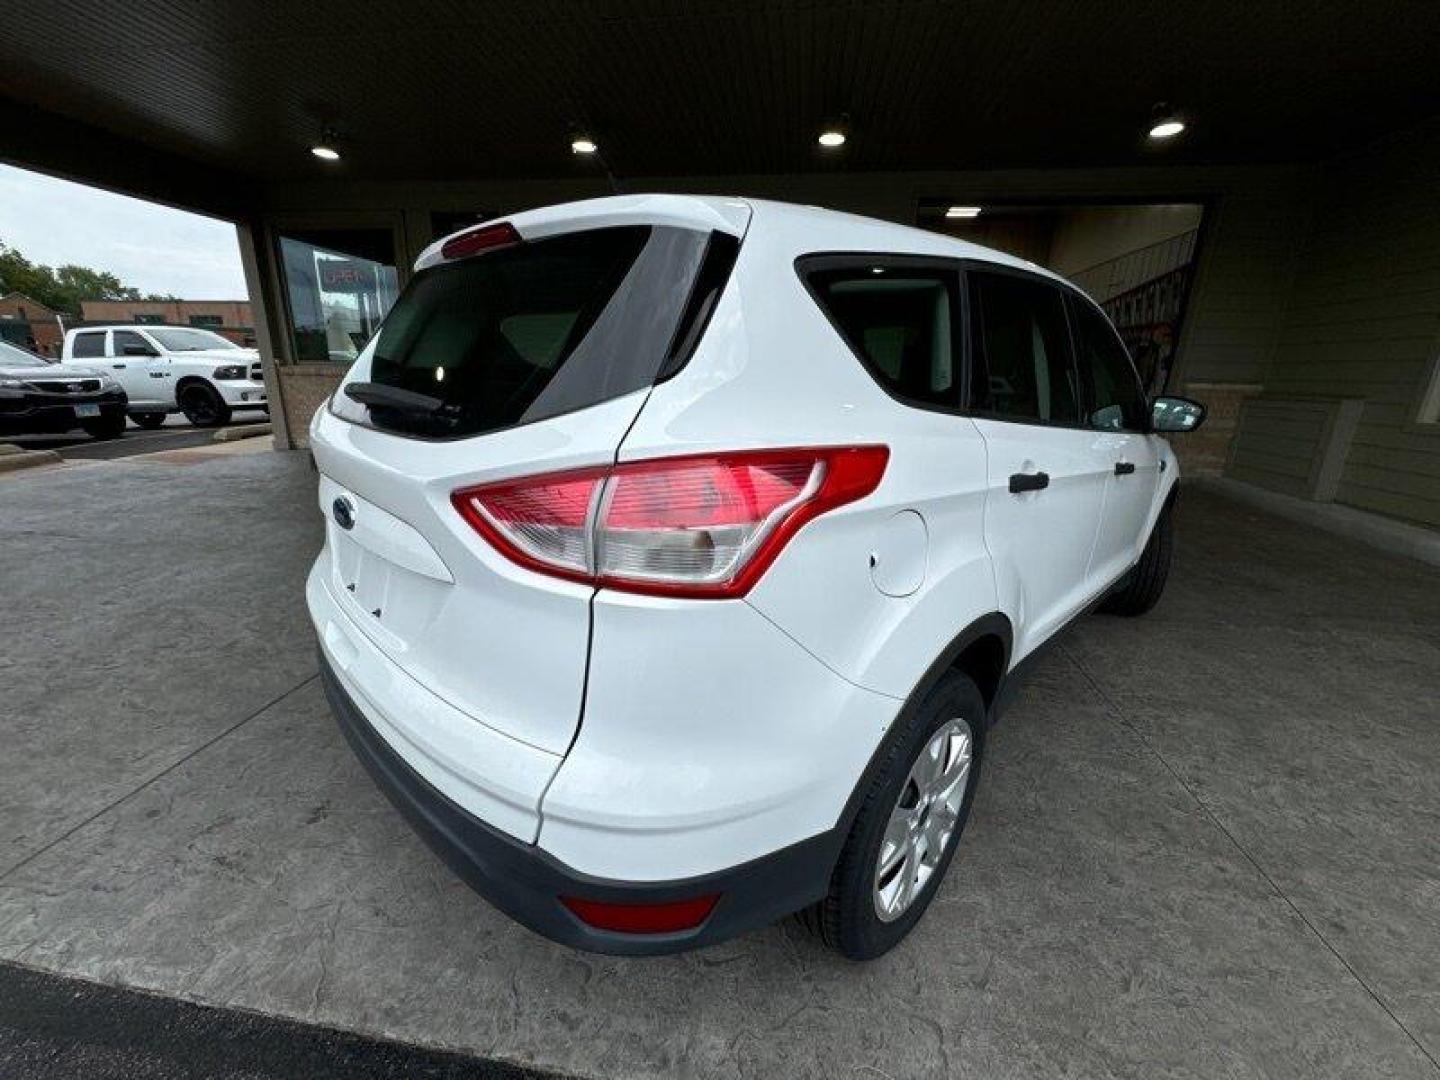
1140 590
908 827
106 427
150 420
203 406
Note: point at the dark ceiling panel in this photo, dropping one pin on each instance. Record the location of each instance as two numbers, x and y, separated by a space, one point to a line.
442 89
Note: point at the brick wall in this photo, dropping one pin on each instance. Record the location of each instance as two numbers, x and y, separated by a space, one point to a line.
39 322
236 321
303 387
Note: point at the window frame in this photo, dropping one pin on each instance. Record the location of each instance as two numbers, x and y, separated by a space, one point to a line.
1074 297
103 354
828 261
272 270
1082 400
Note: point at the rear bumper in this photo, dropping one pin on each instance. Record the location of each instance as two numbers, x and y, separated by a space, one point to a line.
526 883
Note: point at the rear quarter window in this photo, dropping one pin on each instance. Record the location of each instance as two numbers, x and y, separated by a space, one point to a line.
900 320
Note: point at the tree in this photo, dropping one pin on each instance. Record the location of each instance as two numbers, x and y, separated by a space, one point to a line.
62 288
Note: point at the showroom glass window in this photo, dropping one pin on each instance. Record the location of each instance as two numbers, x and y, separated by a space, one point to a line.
1022 367
900 322
1116 401
339 283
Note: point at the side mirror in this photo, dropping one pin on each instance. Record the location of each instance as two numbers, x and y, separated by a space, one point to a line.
1176 414
139 350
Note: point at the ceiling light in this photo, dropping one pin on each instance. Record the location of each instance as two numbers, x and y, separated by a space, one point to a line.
582 144
830 138
963 212
1167 129
325 153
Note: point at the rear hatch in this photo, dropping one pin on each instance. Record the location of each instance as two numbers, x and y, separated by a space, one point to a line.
523 347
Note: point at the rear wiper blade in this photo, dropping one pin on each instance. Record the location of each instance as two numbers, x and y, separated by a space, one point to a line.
392 397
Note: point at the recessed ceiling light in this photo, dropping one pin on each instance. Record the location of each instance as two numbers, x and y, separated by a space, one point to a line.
1167 129
325 153
963 212
830 138
583 145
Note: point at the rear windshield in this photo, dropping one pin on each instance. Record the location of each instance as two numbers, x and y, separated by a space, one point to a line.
523 333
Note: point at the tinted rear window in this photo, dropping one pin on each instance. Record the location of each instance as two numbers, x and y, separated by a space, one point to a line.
540 329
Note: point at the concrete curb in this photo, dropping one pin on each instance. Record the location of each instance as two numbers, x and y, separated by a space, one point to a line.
248 431
1396 537
13 458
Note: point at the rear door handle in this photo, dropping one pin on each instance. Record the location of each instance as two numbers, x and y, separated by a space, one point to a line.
1124 468
1025 481
118 367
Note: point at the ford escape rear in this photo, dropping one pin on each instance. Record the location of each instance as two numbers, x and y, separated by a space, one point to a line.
677 549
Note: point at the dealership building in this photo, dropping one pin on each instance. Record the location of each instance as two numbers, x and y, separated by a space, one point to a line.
1273 250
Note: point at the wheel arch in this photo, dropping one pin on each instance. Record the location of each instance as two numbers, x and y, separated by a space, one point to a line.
980 651
189 380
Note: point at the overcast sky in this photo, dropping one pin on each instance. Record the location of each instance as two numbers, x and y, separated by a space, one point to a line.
154 248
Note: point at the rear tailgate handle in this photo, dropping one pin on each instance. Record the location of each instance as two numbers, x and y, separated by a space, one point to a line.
1024 481
1124 468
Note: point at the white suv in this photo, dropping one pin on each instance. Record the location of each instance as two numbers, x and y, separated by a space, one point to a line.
679 551
166 369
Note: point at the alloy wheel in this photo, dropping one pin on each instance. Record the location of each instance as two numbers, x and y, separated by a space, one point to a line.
922 823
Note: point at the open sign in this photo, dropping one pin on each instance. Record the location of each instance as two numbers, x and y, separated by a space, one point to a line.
346 276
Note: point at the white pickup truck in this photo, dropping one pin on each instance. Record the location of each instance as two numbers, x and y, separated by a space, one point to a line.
166 369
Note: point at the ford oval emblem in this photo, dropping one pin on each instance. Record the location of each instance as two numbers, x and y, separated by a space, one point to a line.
343 510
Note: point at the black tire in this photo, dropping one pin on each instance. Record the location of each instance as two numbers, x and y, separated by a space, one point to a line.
1140 590
847 919
150 420
203 406
106 427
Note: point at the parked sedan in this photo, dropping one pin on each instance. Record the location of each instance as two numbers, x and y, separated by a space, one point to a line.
39 397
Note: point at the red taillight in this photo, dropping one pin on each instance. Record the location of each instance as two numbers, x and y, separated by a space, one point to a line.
486 238
667 918
700 526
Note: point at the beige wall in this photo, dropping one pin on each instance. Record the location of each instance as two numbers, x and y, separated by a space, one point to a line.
1090 235
1363 319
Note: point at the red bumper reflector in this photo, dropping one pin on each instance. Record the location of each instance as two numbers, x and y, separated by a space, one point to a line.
668 918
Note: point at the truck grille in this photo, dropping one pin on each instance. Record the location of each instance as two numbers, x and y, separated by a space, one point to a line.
66 386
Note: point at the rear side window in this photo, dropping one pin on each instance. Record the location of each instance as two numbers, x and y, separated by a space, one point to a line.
523 333
900 321
87 345
1117 402
1022 368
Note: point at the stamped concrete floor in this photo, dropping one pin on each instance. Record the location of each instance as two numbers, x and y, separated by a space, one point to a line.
1207 843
